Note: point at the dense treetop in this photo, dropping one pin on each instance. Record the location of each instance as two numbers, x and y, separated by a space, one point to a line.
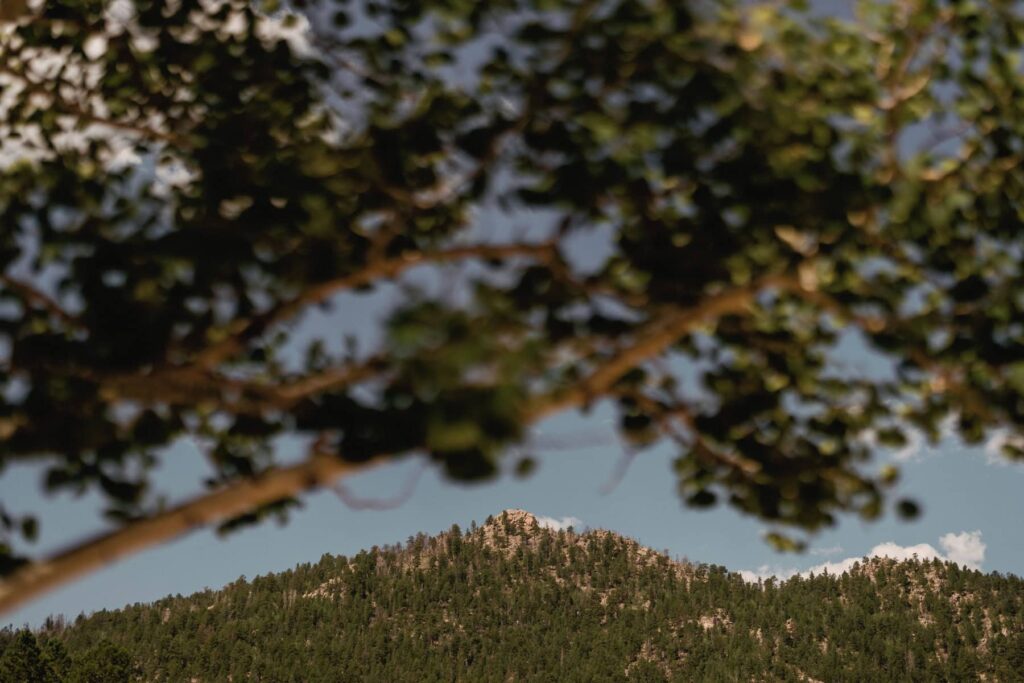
512 601
713 196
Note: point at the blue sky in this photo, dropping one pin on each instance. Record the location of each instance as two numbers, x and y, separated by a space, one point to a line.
960 490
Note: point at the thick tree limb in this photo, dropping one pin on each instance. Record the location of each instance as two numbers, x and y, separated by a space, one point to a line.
660 334
322 470
200 381
238 498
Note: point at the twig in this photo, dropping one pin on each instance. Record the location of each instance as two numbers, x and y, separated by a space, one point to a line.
620 471
331 378
247 330
357 503
322 468
78 112
655 338
35 296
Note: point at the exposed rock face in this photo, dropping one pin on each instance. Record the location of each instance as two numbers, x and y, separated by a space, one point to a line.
513 600
515 528
520 519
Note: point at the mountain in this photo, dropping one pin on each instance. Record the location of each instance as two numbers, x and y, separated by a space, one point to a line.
512 601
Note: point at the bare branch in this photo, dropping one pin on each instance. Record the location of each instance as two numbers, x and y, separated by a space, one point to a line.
86 116
237 498
247 330
658 335
323 468
357 503
37 298
326 380
620 471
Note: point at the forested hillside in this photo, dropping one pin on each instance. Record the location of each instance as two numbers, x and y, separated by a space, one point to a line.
512 601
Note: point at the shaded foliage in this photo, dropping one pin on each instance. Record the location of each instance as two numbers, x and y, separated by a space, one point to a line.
719 191
25 661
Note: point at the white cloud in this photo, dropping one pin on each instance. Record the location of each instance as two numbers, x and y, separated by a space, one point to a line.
766 571
834 550
559 524
922 551
965 548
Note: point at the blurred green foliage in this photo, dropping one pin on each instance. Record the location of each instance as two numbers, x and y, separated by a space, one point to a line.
181 180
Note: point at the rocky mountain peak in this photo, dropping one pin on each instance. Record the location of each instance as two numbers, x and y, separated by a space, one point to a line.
520 519
516 600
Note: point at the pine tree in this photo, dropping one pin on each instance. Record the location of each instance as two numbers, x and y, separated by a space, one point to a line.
23 662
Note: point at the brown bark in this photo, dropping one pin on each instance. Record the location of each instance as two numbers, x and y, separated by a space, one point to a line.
382 269
235 499
321 470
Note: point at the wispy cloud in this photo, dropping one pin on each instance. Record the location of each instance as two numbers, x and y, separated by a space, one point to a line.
834 550
559 523
922 551
965 548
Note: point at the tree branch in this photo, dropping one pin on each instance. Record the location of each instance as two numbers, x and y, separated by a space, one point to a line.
37 578
246 330
77 111
667 415
322 469
357 503
189 385
199 380
658 335
331 378
946 379
39 299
